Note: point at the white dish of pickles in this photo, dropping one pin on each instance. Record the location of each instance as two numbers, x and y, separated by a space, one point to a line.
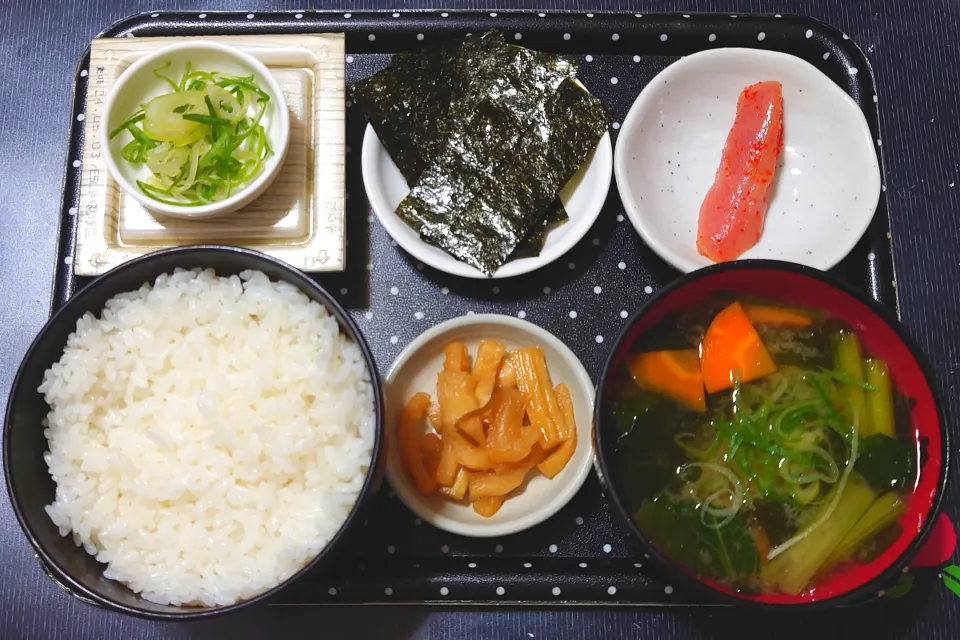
195 130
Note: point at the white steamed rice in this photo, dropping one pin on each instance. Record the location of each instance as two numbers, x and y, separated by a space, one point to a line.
208 436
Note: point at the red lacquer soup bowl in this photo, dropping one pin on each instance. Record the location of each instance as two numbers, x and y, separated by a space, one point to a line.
881 336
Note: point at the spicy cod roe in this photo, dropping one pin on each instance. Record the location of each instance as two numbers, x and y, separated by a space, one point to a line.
732 213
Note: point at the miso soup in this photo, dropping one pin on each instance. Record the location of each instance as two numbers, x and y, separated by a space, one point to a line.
759 446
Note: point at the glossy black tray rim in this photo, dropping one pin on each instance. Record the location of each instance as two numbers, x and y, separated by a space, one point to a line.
214 21
879 277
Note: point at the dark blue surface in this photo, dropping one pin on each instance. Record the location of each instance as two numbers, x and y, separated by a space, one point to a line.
915 56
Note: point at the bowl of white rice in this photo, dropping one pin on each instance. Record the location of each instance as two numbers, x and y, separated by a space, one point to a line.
192 432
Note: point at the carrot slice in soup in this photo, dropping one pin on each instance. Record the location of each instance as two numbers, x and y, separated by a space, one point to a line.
675 374
777 316
732 349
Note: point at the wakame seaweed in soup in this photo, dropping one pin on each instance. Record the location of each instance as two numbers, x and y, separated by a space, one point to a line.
759 446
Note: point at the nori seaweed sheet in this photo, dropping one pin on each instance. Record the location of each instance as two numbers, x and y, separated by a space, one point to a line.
532 244
407 103
520 136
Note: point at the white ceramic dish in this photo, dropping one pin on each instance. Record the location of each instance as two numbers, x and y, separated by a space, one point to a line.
416 369
670 144
583 199
138 85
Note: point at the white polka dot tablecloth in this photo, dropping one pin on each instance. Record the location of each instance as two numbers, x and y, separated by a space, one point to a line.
586 298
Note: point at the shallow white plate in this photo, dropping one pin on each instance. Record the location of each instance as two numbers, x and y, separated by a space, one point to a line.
583 200
669 148
416 369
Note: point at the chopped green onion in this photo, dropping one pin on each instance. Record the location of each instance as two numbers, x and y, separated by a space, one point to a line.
245 83
134 119
213 112
210 120
141 137
170 82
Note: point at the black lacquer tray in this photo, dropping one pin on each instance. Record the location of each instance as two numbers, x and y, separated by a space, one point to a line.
581 556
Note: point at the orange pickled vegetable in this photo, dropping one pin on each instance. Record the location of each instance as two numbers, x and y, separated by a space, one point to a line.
472 423
494 423
507 374
467 454
568 424
456 357
488 506
495 484
790 317
534 381
447 467
455 392
675 374
485 368
731 350
558 458
531 434
459 489
436 419
537 455
505 440
431 448
409 432
473 427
